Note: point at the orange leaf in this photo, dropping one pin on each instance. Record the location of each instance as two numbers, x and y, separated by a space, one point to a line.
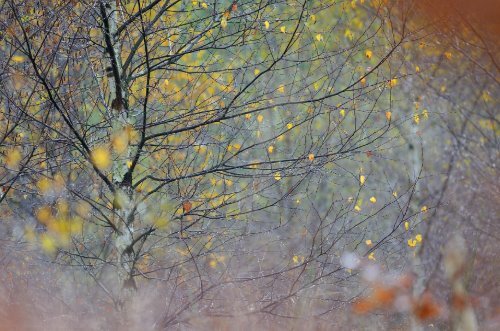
186 206
426 308
459 301
363 306
406 281
384 296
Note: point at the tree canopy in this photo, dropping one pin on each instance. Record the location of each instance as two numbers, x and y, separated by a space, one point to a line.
246 157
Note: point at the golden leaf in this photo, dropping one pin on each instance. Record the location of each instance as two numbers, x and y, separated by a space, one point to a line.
13 158
223 22
100 158
18 59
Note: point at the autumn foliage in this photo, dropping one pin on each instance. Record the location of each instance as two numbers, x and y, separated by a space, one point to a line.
288 164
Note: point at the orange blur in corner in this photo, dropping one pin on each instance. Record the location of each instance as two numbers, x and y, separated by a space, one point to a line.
481 15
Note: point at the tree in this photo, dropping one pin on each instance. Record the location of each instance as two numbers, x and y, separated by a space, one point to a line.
203 145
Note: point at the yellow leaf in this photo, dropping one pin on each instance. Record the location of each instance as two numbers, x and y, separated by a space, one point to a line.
362 179
260 118
43 185
129 164
256 72
223 22
388 115
424 209
18 59
277 176
283 29
368 242
48 243
270 149
417 69
342 112
412 242
132 134
266 25
100 158
311 157
295 259
486 96
373 200
248 116
313 18
425 113
44 214
372 256
448 55
13 158
202 149
120 142
319 37
204 5
393 82
368 54
357 208
348 34
407 225
416 118
395 194
418 237
289 126
281 88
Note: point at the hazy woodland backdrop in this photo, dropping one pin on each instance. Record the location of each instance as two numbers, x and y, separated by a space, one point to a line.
249 165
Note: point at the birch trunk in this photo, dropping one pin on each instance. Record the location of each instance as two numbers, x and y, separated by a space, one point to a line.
123 204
